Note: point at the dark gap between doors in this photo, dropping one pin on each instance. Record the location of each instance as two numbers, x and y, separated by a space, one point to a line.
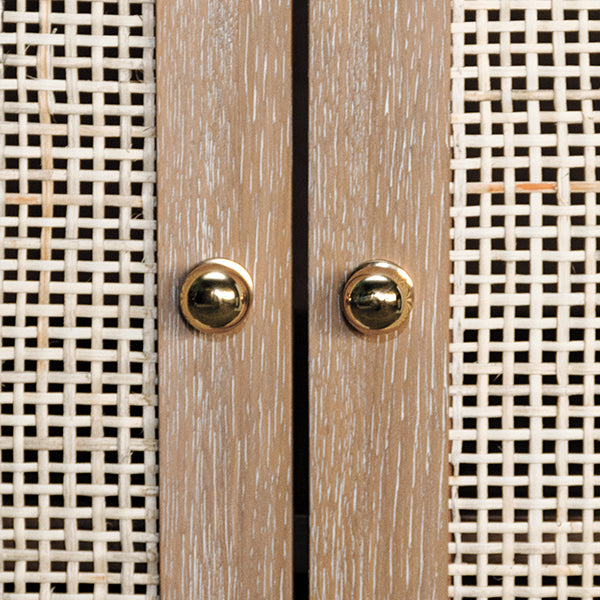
300 295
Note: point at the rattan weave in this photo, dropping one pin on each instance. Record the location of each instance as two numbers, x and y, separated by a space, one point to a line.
525 499
78 475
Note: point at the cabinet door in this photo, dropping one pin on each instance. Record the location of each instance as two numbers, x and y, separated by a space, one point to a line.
78 442
379 188
224 89
378 173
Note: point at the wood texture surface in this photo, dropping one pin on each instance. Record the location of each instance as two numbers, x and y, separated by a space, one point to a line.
379 187
224 170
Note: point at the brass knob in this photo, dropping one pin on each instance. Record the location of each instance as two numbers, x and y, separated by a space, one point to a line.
377 297
216 295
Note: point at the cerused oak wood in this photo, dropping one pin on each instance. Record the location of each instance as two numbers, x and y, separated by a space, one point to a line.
379 188
224 169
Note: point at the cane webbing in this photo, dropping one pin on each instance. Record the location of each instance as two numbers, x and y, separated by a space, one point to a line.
78 475
525 489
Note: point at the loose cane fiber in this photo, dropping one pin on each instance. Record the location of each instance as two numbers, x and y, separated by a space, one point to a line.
78 474
525 447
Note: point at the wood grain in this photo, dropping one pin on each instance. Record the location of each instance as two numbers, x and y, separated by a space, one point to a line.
379 188
224 171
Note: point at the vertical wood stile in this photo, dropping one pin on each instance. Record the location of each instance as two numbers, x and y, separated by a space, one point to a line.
224 186
379 188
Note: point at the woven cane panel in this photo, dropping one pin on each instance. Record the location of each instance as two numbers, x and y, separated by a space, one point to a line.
78 474
525 444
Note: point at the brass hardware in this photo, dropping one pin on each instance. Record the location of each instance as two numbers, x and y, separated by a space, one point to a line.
377 297
216 295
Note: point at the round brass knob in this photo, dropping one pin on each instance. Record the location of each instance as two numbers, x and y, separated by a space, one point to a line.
377 297
216 295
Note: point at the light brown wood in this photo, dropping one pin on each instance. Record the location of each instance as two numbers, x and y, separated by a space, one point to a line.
224 171
379 188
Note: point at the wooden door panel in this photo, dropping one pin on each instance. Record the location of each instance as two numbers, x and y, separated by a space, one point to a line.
379 188
224 169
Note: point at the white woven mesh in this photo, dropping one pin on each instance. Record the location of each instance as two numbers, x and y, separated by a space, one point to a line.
78 474
526 325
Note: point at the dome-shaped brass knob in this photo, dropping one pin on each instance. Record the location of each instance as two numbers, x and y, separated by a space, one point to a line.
216 295
377 297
